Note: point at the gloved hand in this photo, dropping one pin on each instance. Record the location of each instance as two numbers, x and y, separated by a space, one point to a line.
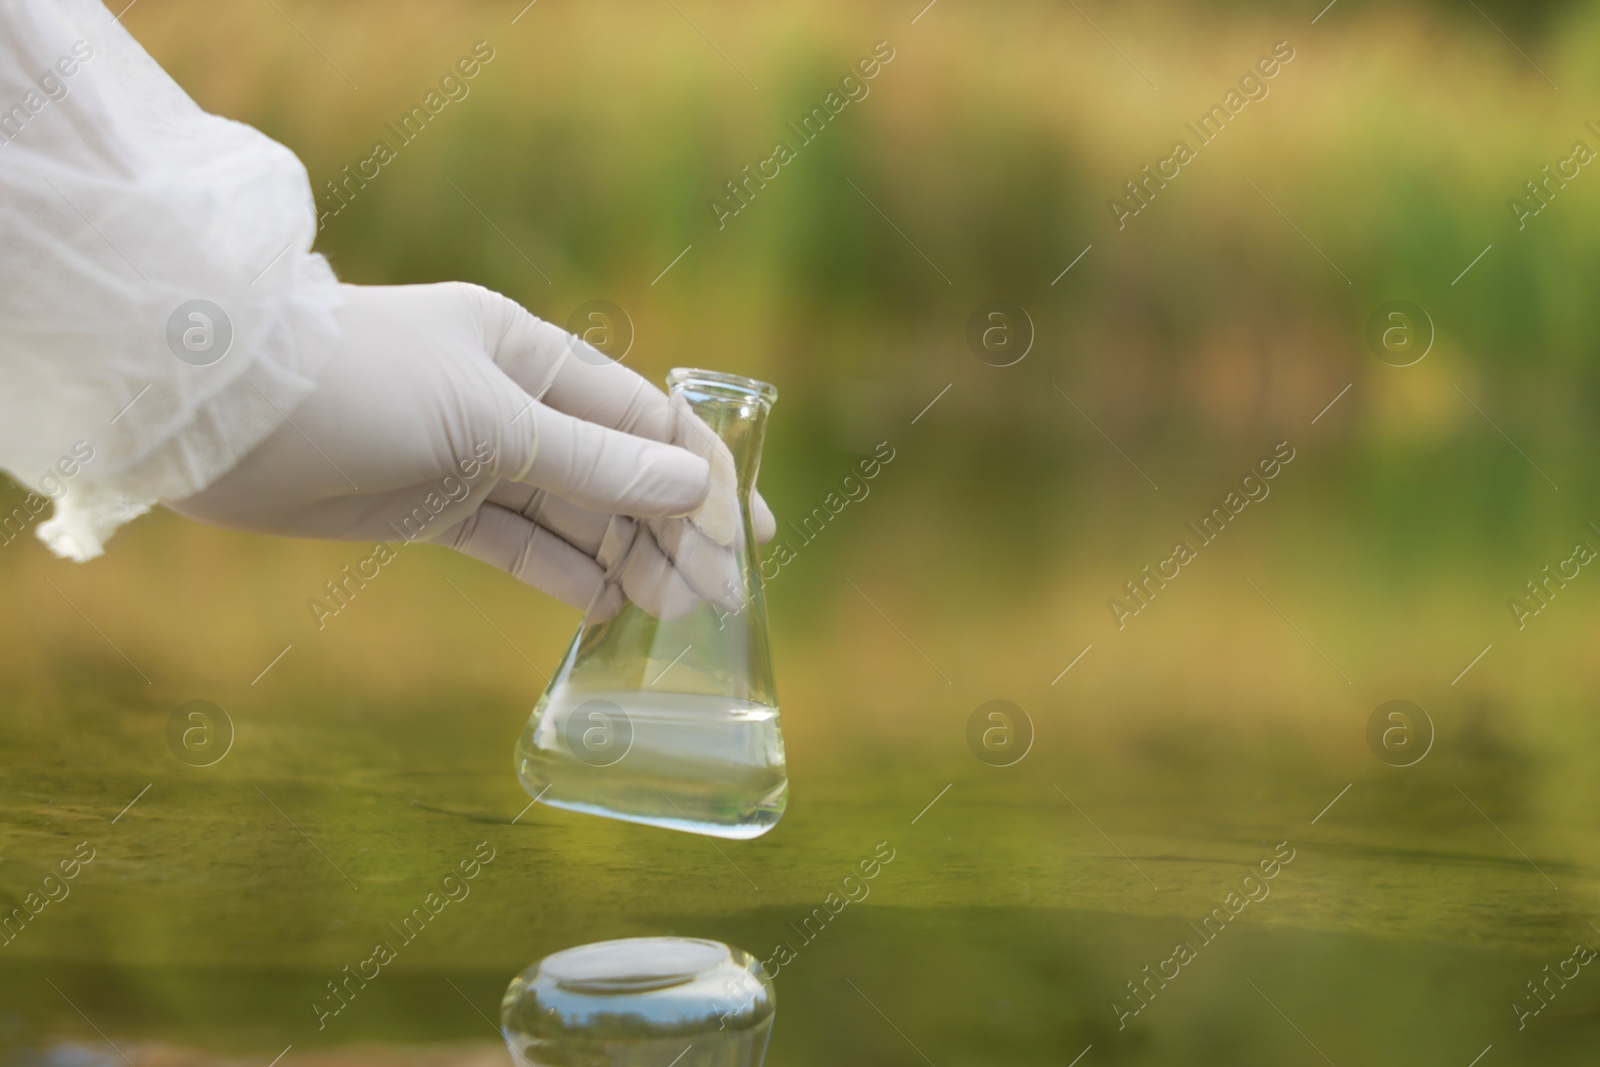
451 414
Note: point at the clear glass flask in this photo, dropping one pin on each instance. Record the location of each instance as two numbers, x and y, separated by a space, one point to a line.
640 1002
663 710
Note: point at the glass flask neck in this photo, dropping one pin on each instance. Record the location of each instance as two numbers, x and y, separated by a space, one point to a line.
736 409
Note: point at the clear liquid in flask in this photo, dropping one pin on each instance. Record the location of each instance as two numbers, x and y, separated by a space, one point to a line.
687 761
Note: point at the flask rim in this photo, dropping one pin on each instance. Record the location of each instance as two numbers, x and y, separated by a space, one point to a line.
722 383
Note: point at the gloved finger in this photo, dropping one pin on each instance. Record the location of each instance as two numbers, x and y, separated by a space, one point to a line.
715 517
714 507
650 580
698 564
592 465
566 373
707 543
718 515
633 560
533 555
709 568
762 518
583 528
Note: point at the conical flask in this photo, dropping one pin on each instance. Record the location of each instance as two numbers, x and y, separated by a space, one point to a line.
640 1002
663 710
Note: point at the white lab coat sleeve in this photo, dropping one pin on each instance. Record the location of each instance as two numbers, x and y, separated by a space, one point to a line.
121 204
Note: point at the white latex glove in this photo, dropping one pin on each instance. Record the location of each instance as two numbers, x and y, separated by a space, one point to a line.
451 414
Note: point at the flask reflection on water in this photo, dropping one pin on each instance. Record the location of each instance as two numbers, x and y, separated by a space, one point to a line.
641 1002
663 710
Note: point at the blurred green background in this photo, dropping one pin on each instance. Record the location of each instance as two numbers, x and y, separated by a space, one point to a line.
1223 319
